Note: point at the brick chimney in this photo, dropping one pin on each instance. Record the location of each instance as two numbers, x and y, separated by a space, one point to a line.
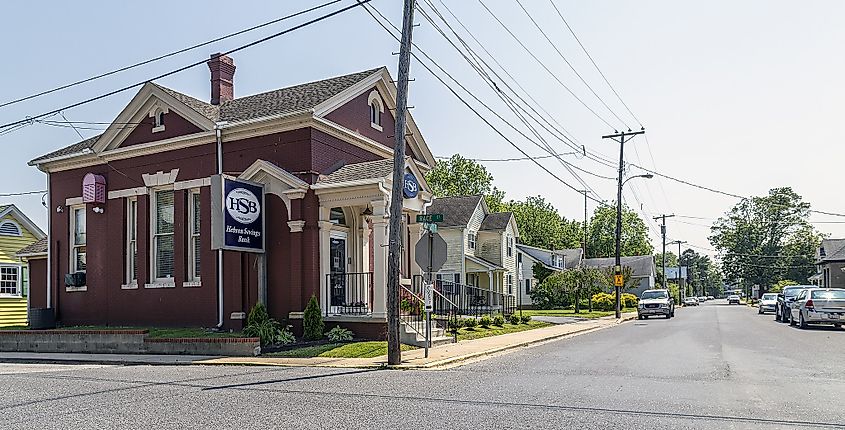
222 73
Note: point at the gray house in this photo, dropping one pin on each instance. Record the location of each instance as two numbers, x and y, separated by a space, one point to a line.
830 264
481 245
642 267
528 256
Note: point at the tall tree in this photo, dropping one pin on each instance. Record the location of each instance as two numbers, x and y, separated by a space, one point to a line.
702 276
763 240
602 233
459 176
541 225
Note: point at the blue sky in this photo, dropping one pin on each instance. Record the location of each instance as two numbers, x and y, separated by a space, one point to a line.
739 96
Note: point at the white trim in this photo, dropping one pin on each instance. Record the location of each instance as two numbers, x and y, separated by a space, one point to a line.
73 201
192 183
18 283
159 285
130 265
17 226
296 226
76 289
192 284
127 192
24 220
192 275
129 286
72 238
152 232
374 98
160 178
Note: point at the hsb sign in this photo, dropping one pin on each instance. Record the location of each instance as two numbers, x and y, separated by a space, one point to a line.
237 220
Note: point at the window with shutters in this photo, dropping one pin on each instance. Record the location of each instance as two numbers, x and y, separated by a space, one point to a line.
162 229
194 235
10 280
132 241
77 239
10 228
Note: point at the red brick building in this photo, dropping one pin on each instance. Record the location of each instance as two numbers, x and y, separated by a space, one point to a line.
323 151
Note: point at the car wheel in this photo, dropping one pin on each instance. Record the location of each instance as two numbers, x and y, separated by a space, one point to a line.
791 319
760 311
639 317
802 323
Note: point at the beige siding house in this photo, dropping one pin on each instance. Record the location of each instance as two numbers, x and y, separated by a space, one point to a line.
481 245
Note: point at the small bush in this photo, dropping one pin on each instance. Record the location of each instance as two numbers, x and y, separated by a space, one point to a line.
268 330
339 334
485 321
604 302
285 336
628 300
455 324
514 319
312 321
470 323
526 319
498 321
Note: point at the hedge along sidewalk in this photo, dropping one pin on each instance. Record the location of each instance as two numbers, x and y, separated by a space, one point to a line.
444 356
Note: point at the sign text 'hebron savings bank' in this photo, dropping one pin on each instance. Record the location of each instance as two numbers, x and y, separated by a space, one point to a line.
237 220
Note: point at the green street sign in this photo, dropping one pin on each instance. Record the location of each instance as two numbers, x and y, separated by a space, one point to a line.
430 218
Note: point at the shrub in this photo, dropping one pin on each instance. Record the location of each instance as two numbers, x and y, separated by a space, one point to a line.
268 330
514 319
604 302
628 300
498 320
455 324
339 334
312 321
470 323
485 321
525 319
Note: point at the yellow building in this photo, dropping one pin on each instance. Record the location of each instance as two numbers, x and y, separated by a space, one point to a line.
16 232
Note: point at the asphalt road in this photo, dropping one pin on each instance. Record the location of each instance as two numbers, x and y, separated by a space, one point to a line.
711 367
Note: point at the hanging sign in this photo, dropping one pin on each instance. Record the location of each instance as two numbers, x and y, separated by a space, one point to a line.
237 214
411 187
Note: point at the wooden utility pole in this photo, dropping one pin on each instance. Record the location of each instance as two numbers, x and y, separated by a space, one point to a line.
394 351
663 233
621 138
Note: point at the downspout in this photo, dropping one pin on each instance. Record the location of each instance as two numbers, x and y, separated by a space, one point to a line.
219 137
47 300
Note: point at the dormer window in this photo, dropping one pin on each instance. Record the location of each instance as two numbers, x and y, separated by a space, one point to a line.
376 109
10 228
157 115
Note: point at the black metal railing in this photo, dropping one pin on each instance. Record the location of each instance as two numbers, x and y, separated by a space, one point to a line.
349 293
467 300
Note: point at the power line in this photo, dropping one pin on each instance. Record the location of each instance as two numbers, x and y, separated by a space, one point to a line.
23 193
462 100
161 57
554 46
490 160
172 72
560 14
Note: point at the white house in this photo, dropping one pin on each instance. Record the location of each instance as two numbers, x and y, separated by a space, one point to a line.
528 256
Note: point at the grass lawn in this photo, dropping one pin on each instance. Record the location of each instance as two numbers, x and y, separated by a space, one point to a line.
155 332
368 349
571 313
479 332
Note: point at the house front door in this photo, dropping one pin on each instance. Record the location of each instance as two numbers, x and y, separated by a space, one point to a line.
337 254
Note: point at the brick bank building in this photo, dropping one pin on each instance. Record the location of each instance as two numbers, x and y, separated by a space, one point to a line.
140 253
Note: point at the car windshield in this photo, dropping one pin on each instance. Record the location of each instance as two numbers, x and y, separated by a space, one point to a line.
769 296
829 294
653 295
791 292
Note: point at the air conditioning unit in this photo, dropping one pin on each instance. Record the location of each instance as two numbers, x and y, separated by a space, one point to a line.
75 279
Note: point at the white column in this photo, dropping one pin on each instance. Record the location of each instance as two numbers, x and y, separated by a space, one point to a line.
379 259
325 255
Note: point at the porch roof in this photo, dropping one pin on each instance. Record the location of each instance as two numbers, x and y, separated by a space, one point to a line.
486 265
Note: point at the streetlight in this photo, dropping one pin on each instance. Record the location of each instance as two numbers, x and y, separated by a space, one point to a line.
618 268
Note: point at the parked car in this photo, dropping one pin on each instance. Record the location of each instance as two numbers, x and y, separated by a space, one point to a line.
768 303
733 299
711 298
785 298
702 299
655 302
818 306
690 301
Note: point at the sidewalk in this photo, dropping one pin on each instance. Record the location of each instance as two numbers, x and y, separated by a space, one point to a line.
439 357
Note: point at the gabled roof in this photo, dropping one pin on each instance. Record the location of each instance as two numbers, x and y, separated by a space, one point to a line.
22 219
38 247
641 265
834 250
571 257
497 221
297 98
456 211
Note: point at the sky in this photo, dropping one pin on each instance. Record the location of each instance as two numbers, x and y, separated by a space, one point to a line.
736 96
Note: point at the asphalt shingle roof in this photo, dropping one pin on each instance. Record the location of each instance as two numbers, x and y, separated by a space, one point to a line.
834 250
456 211
282 101
358 171
37 247
496 221
641 265
571 257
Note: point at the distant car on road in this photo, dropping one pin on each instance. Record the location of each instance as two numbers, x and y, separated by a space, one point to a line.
818 306
733 299
711 298
702 299
785 299
655 302
768 303
690 301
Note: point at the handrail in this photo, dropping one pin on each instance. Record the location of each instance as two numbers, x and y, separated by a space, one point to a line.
444 297
412 293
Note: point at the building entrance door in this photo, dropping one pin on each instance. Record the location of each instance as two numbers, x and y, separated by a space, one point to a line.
337 254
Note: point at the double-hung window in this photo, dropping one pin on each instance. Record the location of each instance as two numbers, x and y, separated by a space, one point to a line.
471 239
77 239
194 236
132 241
10 280
510 283
510 246
162 229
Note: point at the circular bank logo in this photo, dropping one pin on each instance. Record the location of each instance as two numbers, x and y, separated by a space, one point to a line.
243 205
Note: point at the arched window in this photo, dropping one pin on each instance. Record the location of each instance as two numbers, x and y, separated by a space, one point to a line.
376 109
375 115
157 114
10 228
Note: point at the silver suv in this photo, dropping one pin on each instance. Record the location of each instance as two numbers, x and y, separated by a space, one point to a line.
655 302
